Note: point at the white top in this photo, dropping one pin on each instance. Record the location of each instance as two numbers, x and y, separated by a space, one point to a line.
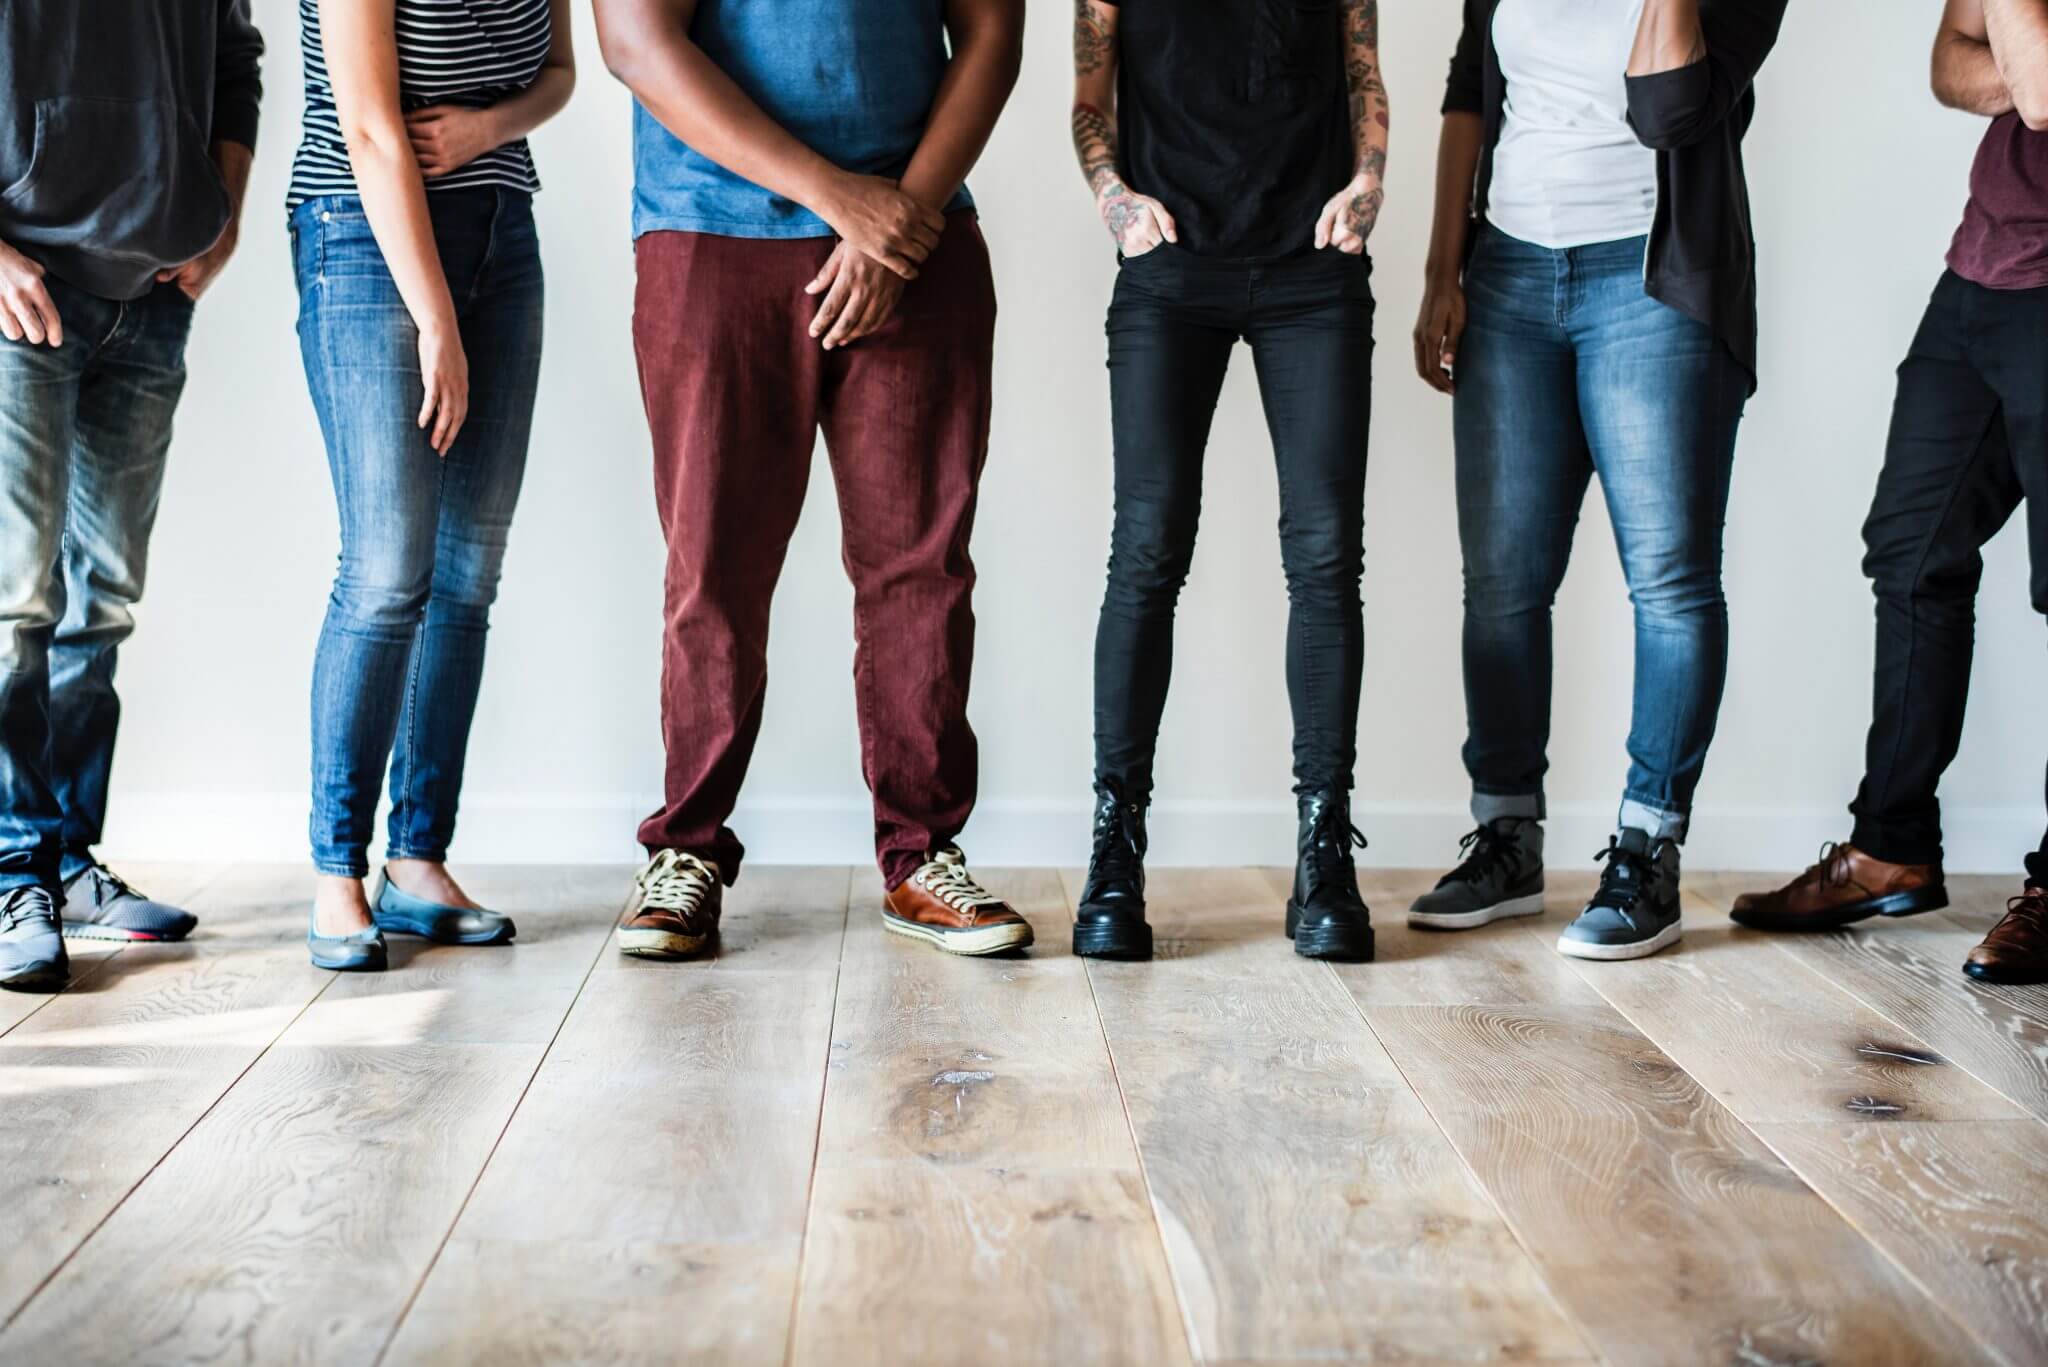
1568 170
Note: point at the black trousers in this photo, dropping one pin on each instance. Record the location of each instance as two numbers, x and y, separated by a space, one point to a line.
1172 324
1969 445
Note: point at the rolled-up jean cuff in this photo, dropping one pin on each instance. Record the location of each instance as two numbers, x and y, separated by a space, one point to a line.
423 856
9 882
1490 807
359 867
1654 822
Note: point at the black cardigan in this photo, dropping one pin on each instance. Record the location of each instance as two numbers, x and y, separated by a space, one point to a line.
1702 255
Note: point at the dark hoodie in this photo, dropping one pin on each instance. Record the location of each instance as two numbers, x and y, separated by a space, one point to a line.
107 111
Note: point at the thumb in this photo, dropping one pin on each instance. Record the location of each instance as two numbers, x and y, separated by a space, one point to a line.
1326 223
1166 223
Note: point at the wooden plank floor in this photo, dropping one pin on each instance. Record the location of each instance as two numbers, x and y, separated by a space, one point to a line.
830 1145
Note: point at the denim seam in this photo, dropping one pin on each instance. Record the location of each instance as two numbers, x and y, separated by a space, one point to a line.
403 803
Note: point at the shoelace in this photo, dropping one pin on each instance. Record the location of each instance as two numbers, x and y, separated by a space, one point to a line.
1622 881
1831 870
1481 851
676 882
1332 837
107 885
946 877
21 908
1117 856
2030 906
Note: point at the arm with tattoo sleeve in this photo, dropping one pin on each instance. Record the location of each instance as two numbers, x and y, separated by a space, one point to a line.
1137 222
1348 219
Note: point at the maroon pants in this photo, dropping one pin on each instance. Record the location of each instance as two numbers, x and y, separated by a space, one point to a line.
736 392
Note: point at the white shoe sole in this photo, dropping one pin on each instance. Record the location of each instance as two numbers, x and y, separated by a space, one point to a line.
1532 905
1663 939
971 943
659 944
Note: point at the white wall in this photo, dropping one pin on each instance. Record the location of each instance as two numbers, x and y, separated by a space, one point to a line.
1856 195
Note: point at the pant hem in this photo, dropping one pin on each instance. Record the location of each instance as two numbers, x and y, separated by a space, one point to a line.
1490 807
1881 847
1659 823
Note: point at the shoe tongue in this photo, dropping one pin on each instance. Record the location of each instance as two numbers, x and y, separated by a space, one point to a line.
949 855
1633 840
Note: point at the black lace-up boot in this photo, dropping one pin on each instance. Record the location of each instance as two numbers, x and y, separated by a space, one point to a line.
1110 922
1326 917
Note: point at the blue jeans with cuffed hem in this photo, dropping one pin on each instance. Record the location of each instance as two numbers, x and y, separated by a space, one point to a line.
423 536
85 432
1569 370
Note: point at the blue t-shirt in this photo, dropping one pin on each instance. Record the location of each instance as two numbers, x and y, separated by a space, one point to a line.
853 80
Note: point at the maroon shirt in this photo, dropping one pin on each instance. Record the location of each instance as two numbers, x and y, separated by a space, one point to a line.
2003 243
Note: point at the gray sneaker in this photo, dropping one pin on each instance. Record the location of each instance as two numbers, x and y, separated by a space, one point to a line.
1635 912
1501 875
32 957
98 905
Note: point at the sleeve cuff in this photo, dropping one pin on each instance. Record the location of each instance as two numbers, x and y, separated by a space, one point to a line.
1667 97
234 120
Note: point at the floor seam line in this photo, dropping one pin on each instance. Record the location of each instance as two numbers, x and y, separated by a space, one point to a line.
158 1162
1116 1077
803 1243
1472 1173
1932 1294
412 1299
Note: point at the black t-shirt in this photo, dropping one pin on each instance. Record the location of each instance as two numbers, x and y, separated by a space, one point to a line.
1234 114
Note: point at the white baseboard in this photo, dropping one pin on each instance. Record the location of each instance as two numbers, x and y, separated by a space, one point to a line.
599 829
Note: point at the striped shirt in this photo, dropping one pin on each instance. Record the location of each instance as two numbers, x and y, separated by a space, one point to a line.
472 53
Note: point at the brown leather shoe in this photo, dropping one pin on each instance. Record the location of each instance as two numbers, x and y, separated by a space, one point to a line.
1846 885
941 904
675 906
2016 950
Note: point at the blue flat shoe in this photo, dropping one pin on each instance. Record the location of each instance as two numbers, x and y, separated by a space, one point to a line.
362 952
401 913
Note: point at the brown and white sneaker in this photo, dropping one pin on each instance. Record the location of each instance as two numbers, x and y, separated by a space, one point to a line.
941 904
675 906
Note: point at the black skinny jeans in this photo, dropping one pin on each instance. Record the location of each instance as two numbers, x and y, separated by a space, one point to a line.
1969 444
1172 323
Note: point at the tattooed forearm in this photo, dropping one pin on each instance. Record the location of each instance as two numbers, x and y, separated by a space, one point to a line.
1092 38
1368 102
1095 145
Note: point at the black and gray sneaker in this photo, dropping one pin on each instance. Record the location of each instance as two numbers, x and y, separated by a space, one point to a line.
1635 912
1326 918
1501 875
1109 923
99 905
32 957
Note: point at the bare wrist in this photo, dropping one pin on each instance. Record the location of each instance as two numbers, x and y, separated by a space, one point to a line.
823 191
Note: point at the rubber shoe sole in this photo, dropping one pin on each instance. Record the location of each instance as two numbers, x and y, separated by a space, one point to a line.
2011 976
1338 944
1914 903
1532 905
661 944
1128 940
76 930
1637 949
39 978
969 941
